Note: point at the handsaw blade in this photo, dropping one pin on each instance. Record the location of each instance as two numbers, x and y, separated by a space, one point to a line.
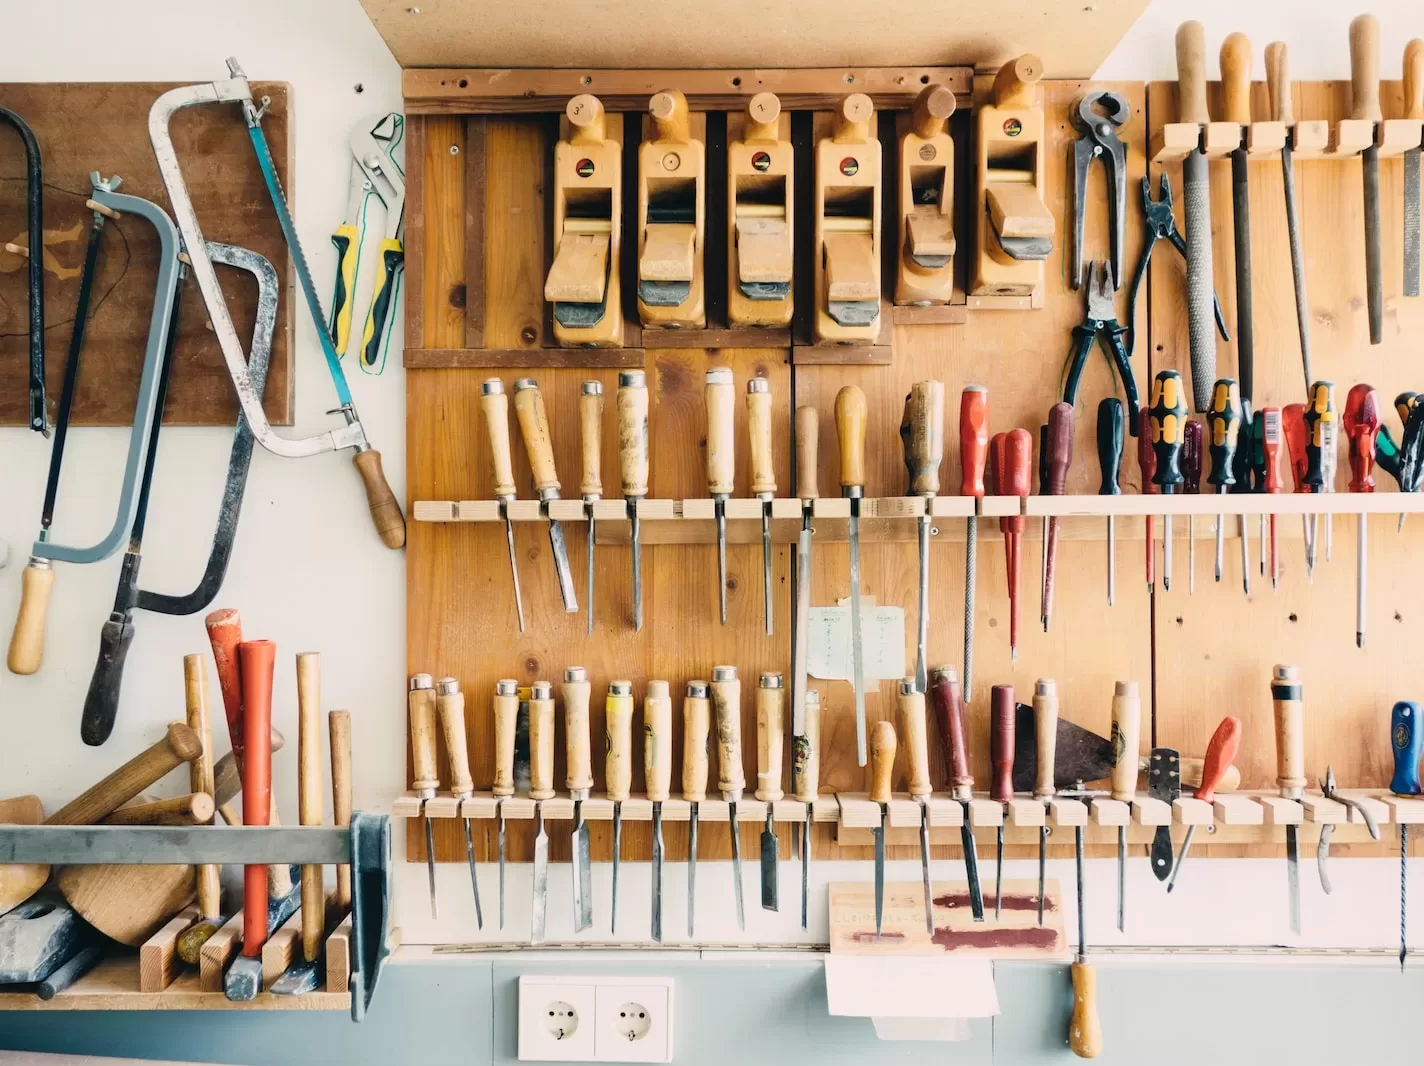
1081 754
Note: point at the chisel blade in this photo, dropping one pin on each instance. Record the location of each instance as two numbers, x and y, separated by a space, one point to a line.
880 872
806 869
540 904
474 877
1121 878
1411 222
691 870
502 837
722 558
657 874
561 567
1374 260
770 847
999 871
922 634
430 864
925 868
579 869
514 569
971 867
588 582
737 867
1293 875
1042 869
637 540
857 650
617 861
766 564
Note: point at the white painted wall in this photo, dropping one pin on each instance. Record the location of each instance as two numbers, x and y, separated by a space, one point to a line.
309 573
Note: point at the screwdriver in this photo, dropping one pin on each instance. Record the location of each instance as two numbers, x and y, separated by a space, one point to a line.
912 724
695 729
949 713
1147 469
771 693
1058 449
591 446
1191 470
421 704
726 693
657 773
539 446
721 463
808 432
850 430
633 468
541 787
922 436
1002 713
1320 428
1361 424
1110 443
1296 433
1223 419
494 405
1126 740
805 784
577 692
1168 419
763 477
1270 441
1407 740
1012 455
450 703
506 720
1290 765
1244 468
1220 754
973 456
882 764
1258 478
618 769
1085 1033
1045 728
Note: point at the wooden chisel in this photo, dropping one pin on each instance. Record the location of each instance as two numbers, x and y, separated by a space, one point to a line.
591 486
1365 106
506 723
922 436
633 468
541 788
539 446
657 775
726 694
805 783
912 724
807 438
618 770
949 713
1045 727
1236 106
882 764
717 394
696 718
1289 708
1196 182
763 478
494 405
850 430
450 706
771 693
420 702
577 693
1414 110
1126 739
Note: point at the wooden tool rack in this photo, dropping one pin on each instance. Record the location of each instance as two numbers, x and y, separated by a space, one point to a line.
476 252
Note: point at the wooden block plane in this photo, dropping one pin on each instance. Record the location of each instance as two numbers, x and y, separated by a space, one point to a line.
582 283
848 200
1015 225
672 179
760 172
925 273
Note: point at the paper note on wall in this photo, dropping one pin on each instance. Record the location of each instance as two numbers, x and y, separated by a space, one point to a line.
828 651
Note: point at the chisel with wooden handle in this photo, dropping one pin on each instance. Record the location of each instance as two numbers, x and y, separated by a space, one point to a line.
591 485
494 406
577 693
696 725
882 765
922 436
539 447
1003 713
805 784
911 705
420 701
1365 107
657 775
807 440
949 714
763 477
717 393
618 770
1045 727
450 707
506 720
1289 707
1126 739
771 693
1196 182
541 788
850 431
633 468
726 695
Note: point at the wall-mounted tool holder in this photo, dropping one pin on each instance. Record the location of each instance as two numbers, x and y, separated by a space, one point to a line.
672 199
1015 227
761 171
925 257
847 227
583 283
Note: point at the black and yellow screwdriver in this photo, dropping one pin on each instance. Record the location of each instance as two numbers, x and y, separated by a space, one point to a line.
1321 428
1169 416
1223 421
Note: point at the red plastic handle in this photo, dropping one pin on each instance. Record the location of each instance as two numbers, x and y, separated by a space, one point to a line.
1297 436
973 439
225 634
1271 447
257 658
1362 421
1220 754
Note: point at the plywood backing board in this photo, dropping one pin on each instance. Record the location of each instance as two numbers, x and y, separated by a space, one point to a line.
1072 39
1215 649
83 127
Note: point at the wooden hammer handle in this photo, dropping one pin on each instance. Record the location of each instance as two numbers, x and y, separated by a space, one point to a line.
180 745
339 723
196 808
309 792
200 774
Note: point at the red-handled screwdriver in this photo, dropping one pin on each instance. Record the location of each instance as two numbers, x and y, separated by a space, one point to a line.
1012 454
1271 441
1003 711
973 456
1297 438
1058 449
1220 754
1147 468
1362 421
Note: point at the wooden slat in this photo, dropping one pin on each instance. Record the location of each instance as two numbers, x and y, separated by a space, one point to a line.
443 305
217 952
158 954
413 235
522 358
338 958
280 949
518 157
475 164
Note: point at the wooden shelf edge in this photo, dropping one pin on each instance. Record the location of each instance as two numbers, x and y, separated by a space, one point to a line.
523 358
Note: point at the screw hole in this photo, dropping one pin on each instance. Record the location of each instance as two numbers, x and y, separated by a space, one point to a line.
464 83
924 79
358 88
585 80
1294 618
454 149
850 79
737 82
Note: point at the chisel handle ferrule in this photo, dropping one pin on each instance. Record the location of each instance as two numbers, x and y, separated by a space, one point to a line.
420 702
770 705
450 703
1287 698
506 718
696 724
577 693
1126 739
657 741
726 694
1045 727
538 444
806 755
541 741
618 765
591 439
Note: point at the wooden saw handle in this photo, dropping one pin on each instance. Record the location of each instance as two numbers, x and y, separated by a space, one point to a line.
196 808
181 744
759 432
618 764
385 509
591 438
696 725
541 741
1126 738
1364 68
1278 84
339 725
494 406
633 432
1236 78
726 693
201 778
808 433
657 741
27 639
718 392
882 761
1191 74
771 699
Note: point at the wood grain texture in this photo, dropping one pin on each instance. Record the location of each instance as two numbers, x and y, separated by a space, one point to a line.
84 126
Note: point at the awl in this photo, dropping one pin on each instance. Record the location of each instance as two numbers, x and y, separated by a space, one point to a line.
850 430
577 693
949 713
771 692
882 764
1407 741
726 693
494 405
534 427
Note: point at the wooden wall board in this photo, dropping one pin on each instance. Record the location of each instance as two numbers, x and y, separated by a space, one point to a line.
103 126
1215 649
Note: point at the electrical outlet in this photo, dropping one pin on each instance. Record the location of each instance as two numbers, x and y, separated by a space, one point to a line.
557 1019
633 1019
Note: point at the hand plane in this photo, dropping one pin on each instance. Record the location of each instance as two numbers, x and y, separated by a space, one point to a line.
925 272
672 178
848 200
760 173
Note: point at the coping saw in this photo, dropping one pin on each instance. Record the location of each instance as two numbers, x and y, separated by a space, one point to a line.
376 174
102 702
385 510
34 213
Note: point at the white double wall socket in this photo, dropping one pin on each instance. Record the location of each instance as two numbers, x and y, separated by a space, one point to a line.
595 1019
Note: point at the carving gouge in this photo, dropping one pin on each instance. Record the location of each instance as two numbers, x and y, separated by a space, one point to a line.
541 787
1365 106
1290 767
657 773
882 764
1126 738
534 427
912 723
450 702
695 728
807 439
1003 712
618 769
1220 754
1045 727
922 435
805 783
1407 741
949 713
591 447
506 721
633 468
721 464
726 693
420 702
850 430
763 477
494 405
771 690
577 692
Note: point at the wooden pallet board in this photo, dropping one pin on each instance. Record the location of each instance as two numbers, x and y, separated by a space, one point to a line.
82 127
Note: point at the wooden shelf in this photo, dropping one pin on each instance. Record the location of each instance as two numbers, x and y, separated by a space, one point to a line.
1342 139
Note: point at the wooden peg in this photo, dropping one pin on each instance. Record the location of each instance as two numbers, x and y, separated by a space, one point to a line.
847 227
421 704
671 116
1126 739
450 706
760 169
591 438
763 113
506 719
1191 74
911 705
850 432
882 761
922 431
541 741
806 752
925 274
534 428
719 395
930 114
1364 69
657 741
671 216
586 117
808 432
726 696
339 726
771 695
696 726
1016 83
577 693
759 432
853 118
196 808
618 765
494 405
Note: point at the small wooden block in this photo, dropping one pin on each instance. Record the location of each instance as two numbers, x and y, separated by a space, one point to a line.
929 231
158 955
217 952
744 508
1000 506
945 812
580 270
1016 209
763 250
1238 810
1406 811
1350 136
1323 811
281 948
1175 141
788 810
1265 138
517 808
1027 812
605 510
952 506
1281 811
831 507
636 809
434 511
1399 135
676 810
406 806
558 809
659 510
442 807
480 805
1379 810
568 510
667 252
850 267
893 507
520 511
714 810
1111 812
1309 140
1067 812
826 809
704 510
598 809
480 511
857 812
338 958
1221 139
903 813
786 509
986 812
1189 811
1146 810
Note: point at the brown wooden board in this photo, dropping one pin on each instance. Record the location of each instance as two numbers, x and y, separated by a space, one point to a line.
82 127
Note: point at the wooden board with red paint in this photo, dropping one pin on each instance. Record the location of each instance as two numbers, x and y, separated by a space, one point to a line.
1015 934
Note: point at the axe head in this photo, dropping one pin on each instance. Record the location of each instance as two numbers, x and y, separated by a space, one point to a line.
1081 755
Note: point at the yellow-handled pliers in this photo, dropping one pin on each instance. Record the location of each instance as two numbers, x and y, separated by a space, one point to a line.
376 175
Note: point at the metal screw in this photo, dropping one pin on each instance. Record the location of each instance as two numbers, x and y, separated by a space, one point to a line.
454 149
413 10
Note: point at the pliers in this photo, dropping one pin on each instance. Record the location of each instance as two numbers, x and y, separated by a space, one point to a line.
1101 324
1161 225
1098 116
1327 789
